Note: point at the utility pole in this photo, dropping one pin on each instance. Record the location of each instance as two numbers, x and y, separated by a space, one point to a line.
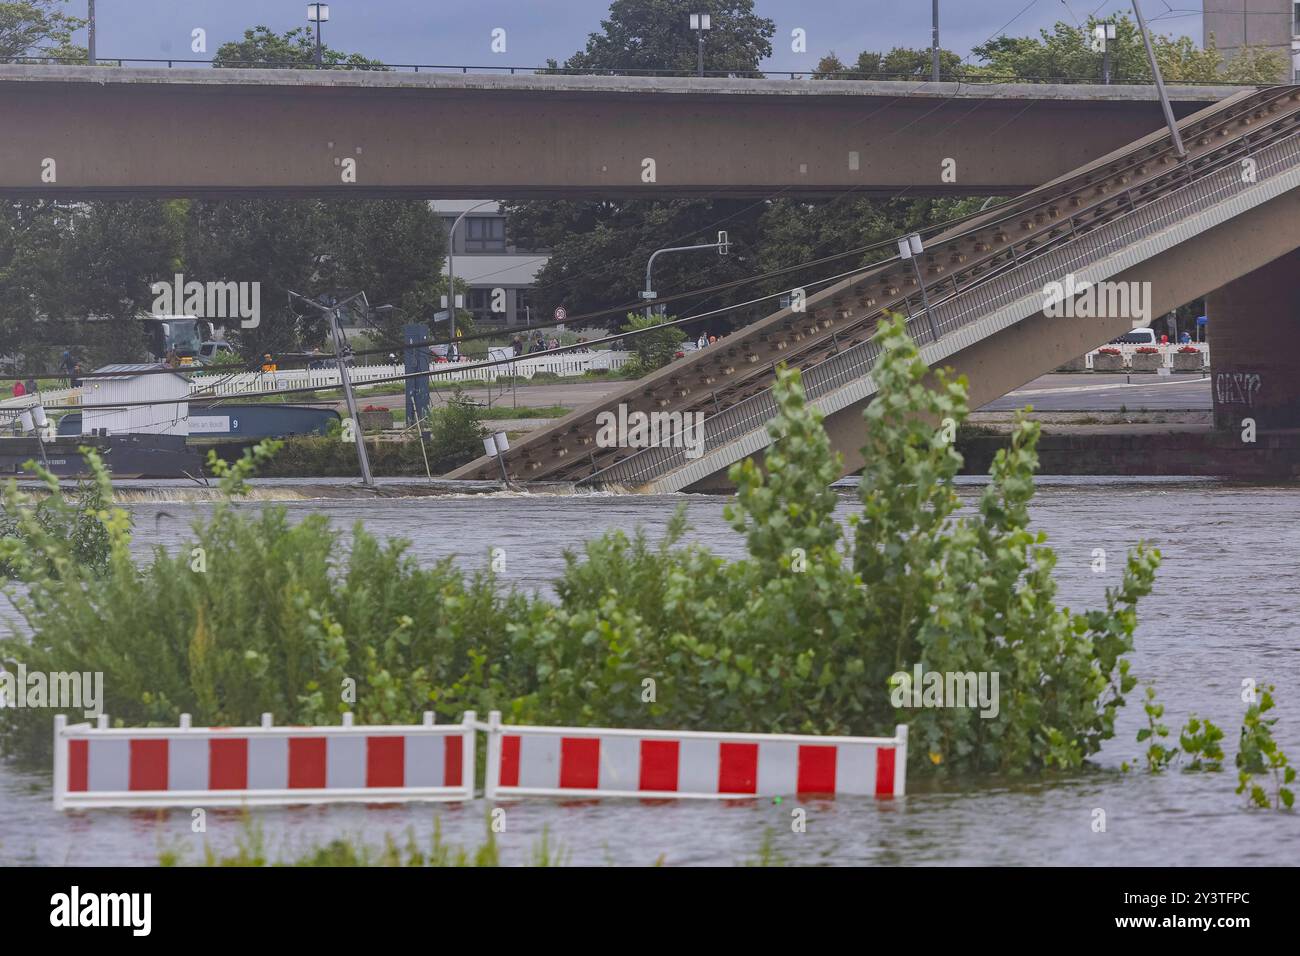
934 44
342 353
90 31
1160 84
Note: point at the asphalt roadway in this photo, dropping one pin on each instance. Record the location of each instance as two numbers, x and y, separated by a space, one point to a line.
1058 392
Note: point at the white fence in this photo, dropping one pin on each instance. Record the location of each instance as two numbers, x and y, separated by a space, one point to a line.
563 364
1166 353
254 383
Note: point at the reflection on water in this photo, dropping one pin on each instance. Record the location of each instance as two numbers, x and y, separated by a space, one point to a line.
1223 610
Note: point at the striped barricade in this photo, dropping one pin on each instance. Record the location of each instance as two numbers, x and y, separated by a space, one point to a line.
575 761
259 766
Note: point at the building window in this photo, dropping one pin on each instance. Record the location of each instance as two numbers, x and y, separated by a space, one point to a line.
480 305
523 302
485 234
1295 21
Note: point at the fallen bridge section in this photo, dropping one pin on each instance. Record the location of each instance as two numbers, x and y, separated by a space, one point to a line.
1139 219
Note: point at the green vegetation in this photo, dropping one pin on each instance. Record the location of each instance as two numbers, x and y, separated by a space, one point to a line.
63 527
251 850
260 614
455 437
508 412
1260 761
653 350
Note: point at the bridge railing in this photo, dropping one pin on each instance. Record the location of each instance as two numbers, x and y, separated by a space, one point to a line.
967 75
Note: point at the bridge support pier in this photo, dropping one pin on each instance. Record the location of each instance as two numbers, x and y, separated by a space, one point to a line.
1255 347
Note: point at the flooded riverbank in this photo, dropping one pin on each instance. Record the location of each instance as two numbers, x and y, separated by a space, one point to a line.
1223 610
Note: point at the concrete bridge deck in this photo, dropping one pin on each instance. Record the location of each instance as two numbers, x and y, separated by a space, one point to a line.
115 132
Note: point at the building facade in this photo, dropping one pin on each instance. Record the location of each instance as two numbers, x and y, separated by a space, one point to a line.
500 276
1271 24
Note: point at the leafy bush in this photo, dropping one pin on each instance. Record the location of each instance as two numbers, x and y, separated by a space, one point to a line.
802 635
653 349
31 523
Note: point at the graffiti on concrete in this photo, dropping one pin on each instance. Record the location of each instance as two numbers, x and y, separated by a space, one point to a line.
1236 388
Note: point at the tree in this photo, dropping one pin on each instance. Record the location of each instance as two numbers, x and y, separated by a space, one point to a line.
599 250
38 29
655 35
275 242
900 63
1066 53
115 251
393 249
263 47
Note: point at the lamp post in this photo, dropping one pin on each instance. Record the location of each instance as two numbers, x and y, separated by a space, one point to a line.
1102 34
723 245
451 276
90 32
318 13
934 43
911 247
701 22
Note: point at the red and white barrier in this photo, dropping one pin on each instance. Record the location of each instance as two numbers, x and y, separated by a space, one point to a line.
252 766
576 761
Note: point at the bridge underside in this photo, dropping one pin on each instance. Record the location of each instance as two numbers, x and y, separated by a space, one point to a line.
223 133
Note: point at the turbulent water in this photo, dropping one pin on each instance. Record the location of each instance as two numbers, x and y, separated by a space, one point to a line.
1224 610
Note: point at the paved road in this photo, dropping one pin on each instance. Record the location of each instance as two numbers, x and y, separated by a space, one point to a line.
1108 392
1049 393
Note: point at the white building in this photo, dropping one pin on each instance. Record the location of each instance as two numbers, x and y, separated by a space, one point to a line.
486 262
126 383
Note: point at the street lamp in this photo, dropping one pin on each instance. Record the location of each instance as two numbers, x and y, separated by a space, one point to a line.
451 278
1102 34
723 245
700 22
911 247
318 13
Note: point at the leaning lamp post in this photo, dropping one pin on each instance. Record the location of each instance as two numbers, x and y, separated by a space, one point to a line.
318 13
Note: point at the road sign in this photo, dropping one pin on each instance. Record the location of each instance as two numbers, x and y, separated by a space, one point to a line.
561 313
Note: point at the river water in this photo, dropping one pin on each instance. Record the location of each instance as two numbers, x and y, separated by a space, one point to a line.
1224 610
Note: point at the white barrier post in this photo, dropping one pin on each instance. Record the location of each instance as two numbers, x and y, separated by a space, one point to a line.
490 778
900 761
469 752
60 761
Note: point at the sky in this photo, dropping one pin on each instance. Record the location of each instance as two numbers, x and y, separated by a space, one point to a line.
459 32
